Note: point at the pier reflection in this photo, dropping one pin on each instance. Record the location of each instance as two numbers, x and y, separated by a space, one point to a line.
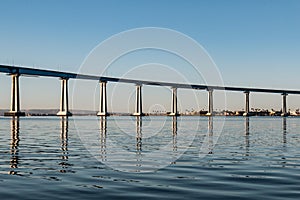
138 134
64 125
14 144
284 161
138 141
284 132
103 135
247 135
174 138
174 131
210 135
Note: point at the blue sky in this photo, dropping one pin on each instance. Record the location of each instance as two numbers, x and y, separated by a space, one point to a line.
253 43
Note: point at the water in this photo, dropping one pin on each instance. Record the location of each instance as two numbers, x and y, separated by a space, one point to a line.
158 157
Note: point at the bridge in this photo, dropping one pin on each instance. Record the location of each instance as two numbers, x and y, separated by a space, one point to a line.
16 71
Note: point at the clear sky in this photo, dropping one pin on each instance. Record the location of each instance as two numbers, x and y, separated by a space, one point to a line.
253 43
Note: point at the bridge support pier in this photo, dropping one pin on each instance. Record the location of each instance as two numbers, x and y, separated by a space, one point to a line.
15 98
284 107
64 99
210 103
103 100
138 105
247 105
174 111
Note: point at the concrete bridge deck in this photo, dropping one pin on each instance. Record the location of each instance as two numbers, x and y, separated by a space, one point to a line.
68 75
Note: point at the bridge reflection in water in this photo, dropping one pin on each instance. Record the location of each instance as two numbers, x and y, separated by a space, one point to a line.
138 143
15 152
14 144
284 131
130 153
138 134
140 146
210 135
64 127
103 134
247 135
174 130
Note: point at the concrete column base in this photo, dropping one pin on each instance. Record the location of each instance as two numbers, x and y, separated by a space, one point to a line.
64 113
174 114
249 114
138 114
14 114
209 114
246 114
102 114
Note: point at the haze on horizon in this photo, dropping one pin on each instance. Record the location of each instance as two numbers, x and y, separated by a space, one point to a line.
254 44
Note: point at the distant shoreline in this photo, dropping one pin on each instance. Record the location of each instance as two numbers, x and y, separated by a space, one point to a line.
53 112
150 115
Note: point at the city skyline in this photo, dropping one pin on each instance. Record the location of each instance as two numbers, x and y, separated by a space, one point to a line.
254 44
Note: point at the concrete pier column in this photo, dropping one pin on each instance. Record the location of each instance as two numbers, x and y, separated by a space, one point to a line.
139 104
103 100
64 99
284 107
247 105
15 97
210 103
174 111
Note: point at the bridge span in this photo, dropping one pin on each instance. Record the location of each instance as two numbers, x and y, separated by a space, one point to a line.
16 71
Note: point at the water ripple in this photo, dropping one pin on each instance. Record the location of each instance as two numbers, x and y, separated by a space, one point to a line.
45 158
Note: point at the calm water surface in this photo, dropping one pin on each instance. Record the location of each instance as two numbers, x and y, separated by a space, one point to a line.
158 157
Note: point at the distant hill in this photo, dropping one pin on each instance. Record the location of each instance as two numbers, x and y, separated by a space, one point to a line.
53 112
50 112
